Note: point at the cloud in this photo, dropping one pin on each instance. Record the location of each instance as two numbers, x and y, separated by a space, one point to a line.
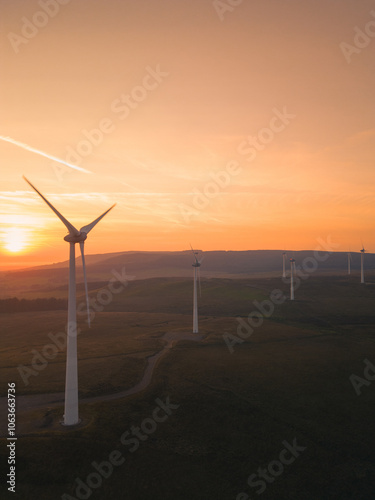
361 137
42 153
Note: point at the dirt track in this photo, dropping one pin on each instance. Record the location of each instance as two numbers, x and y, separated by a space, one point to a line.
35 401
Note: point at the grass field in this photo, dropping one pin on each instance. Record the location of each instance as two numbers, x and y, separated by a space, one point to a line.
289 380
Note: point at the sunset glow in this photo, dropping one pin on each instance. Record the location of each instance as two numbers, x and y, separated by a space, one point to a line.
245 129
15 240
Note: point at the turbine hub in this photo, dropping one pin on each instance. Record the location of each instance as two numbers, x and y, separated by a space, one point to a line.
72 238
196 264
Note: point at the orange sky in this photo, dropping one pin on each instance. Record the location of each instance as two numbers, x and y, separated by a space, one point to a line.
179 90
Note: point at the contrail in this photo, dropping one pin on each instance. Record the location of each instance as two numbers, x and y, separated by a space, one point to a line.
41 153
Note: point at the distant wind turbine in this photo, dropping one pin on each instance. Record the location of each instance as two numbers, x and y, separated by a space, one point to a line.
284 260
71 380
197 276
349 260
362 261
292 272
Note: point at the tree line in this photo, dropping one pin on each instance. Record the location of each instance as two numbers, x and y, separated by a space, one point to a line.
14 304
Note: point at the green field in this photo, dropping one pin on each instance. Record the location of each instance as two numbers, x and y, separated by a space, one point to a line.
288 380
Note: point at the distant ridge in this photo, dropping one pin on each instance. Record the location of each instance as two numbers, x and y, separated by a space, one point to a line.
144 265
218 261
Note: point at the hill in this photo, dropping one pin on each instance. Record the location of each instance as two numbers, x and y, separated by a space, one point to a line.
145 265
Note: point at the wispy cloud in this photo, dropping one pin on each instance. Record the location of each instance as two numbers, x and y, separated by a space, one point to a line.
42 153
362 136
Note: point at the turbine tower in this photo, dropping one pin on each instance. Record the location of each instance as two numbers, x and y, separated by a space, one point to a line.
292 271
197 277
71 379
284 260
362 259
349 260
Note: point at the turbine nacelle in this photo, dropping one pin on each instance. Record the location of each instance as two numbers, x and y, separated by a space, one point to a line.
197 262
72 238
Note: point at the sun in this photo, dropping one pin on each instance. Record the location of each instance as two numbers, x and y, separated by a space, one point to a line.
15 239
17 232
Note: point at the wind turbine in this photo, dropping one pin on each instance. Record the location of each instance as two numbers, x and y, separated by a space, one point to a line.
284 260
196 265
71 378
292 271
349 260
362 259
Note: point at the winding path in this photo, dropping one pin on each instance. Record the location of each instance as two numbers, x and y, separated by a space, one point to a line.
35 401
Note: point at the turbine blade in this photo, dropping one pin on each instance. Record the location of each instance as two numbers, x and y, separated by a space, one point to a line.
82 246
200 262
199 281
72 230
195 257
87 229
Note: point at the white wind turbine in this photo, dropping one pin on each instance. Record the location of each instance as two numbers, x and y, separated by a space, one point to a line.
362 260
197 276
292 272
71 380
349 261
284 261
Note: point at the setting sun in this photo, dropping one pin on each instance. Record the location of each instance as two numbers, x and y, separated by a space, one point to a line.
16 239
16 231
